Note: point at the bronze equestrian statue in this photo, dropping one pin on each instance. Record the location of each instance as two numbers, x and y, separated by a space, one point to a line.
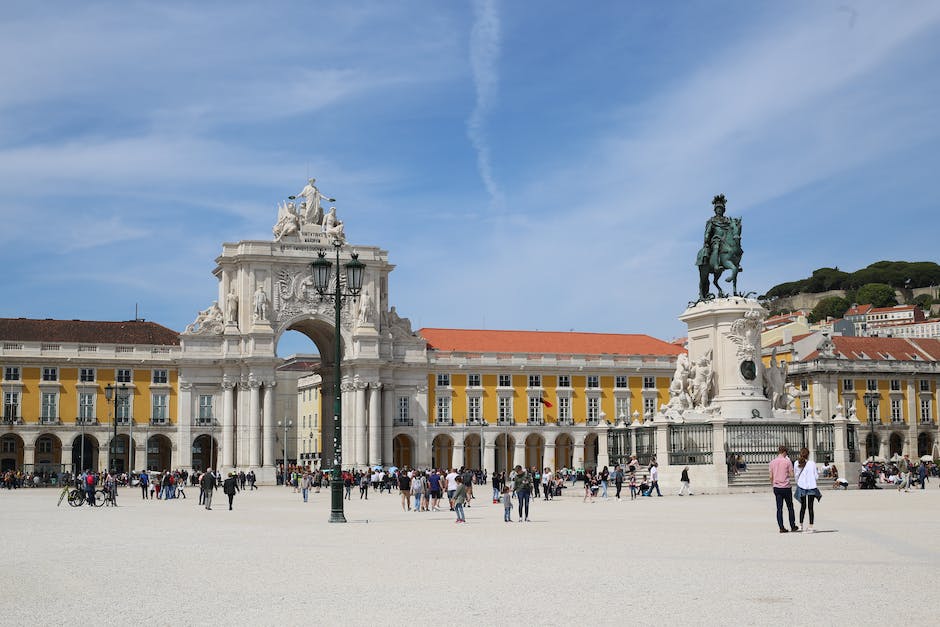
721 251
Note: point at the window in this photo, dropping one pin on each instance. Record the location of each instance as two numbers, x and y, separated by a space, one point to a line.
649 407
50 374
403 407
564 409
804 385
158 411
11 406
124 375
161 376
11 373
8 446
205 409
535 409
622 408
443 380
805 408
86 407
924 385
848 385
123 405
564 381
474 415
621 381
925 410
49 409
895 385
86 375
44 445
649 383
505 409
473 380
593 409
873 411
593 381
896 410
849 405
443 409
505 381
872 385
535 380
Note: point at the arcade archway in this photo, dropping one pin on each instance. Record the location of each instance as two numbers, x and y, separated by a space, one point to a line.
403 451
505 452
564 451
48 454
84 453
534 451
205 452
442 451
11 452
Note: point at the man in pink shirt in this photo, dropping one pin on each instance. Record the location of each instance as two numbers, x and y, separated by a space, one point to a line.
781 471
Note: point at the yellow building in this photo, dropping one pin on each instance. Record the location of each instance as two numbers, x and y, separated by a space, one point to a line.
57 376
501 398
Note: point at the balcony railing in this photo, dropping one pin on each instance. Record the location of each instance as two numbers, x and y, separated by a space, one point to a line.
86 420
539 422
566 421
403 422
204 422
159 422
506 422
49 420
475 422
444 422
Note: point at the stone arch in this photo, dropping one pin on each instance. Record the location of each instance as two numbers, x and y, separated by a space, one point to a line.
442 451
534 451
505 452
120 455
48 453
472 451
159 453
11 452
872 442
924 444
403 451
319 328
590 451
85 451
564 451
205 452
895 445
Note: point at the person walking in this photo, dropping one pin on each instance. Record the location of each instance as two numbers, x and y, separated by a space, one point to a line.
604 477
404 488
144 482
417 490
228 487
207 483
922 474
654 479
547 483
905 470
497 481
806 490
781 471
522 486
618 480
364 486
506 498
306 484
460 497
686 486
633 485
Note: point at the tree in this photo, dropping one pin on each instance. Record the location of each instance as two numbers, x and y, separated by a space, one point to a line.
924 301
831 307
876 294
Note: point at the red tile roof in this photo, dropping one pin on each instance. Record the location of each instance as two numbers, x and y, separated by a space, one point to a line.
890 309
884 348
859 310
551 342
86 332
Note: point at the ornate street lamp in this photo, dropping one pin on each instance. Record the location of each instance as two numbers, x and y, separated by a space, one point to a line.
322 271
109 394
871 402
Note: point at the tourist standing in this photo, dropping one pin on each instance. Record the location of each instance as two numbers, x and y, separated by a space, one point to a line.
434 482
506 497
522 486
806 491
208 487
404 488
417 490
547 483
364 486
497 481
654 478
781 471
307 483
633 486
618 479
144 481
922 474
460 497
229 488
905 470
686 486
604 476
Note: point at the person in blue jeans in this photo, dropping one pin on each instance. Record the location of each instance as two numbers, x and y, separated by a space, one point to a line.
522 486
460 497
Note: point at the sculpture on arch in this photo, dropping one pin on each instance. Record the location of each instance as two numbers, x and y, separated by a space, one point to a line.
680 389
288 223
209 321
261 304
311 212
721 251
703 381
231 307
333 226
776 378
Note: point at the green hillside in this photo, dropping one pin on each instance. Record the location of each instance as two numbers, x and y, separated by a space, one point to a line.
897 274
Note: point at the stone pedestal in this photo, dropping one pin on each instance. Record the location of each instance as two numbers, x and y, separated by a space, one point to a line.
725 332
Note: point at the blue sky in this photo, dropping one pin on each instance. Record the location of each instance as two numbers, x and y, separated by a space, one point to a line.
526 165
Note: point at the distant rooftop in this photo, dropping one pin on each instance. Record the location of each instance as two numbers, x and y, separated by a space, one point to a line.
547 342
87 332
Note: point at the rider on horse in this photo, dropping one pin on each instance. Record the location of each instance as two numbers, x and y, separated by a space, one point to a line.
721 250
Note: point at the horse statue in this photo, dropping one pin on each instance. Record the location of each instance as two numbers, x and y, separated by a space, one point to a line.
722 253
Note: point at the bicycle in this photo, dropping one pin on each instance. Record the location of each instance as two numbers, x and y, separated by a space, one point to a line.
76 497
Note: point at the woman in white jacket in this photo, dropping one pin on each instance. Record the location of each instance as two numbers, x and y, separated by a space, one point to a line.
806 490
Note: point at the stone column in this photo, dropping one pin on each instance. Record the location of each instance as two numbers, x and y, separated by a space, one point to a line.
140 451
548 457
662 444
518 458
840 448
422 442
913 418
375 424
349 445
603 454
362 442
489 457
719 453
228 424
388 412
66 457
457 458
184 422
29 455
268 422
254 423
577 457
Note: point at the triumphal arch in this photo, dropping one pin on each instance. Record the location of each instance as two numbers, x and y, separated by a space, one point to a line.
229 382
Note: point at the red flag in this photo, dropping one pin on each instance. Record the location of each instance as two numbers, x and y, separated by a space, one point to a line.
546 403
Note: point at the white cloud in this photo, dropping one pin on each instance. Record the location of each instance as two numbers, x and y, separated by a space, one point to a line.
484 56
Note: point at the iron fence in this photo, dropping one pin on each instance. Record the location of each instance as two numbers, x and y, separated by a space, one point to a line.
758 444
690 444
825 443
645 445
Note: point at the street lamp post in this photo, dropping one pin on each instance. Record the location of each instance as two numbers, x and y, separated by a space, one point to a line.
871 402
287 424
322 269
111 392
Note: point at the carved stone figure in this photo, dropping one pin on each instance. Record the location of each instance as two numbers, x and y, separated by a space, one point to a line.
288 223
231 307
366 309
703 381
333 226
679 389
261 304
311 212
776 379
721 250
209 321
399 327
745 332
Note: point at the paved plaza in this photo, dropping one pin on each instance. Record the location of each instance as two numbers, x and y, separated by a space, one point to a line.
275 560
